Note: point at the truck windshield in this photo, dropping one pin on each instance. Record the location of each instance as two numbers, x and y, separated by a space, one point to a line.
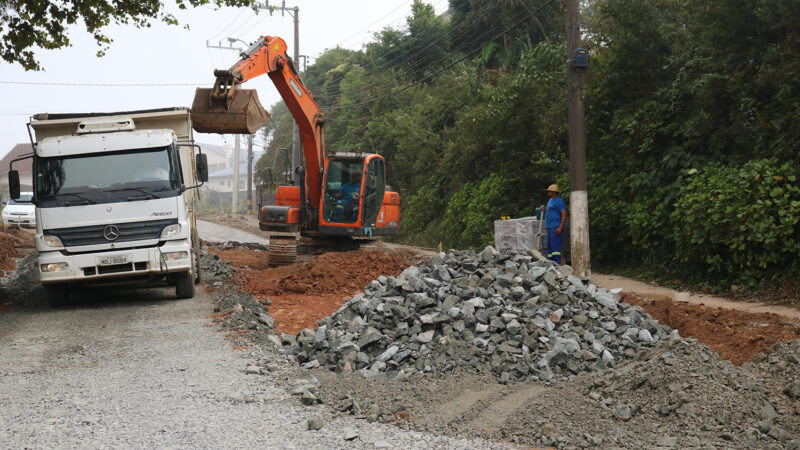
107 177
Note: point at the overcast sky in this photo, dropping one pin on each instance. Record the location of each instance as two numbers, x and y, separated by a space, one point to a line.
171 54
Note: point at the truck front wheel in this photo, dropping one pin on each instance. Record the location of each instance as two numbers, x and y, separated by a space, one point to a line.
184 285
57 294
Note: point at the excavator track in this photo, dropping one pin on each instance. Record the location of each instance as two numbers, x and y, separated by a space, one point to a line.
282 250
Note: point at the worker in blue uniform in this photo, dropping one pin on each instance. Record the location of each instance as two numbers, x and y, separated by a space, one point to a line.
554 217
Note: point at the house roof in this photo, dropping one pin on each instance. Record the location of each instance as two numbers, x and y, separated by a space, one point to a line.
25 166
218 149
228 172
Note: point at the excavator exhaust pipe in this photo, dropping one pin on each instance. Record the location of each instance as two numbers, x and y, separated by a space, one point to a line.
237 111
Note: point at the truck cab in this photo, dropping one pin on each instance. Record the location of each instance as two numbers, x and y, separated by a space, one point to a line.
115 201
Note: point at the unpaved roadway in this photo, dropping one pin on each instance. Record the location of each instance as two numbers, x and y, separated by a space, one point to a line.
213 232
658 292
137 369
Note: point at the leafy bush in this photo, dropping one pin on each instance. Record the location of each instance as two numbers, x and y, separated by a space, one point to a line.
471 212
740 223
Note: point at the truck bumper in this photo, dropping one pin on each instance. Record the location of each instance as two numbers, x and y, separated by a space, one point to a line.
119 264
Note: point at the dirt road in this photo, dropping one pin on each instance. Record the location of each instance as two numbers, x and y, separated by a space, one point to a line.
139 369
657 292
213 232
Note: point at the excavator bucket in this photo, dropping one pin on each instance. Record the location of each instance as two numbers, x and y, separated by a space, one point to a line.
243 114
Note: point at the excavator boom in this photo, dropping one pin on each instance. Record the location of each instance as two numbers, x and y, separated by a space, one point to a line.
227 109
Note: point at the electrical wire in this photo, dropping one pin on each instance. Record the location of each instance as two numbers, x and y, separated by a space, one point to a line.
418 57
414 62
47 83
229 25
376 59
427 77
373 23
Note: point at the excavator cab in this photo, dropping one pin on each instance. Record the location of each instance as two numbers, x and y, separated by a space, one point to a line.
354 192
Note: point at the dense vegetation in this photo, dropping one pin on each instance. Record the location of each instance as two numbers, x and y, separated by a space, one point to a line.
693 123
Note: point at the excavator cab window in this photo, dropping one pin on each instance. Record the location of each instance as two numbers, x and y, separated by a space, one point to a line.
343 182
375 185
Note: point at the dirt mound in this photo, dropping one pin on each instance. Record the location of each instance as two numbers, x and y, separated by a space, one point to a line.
253 259
735 335
340 273
330 273
301 294
10 240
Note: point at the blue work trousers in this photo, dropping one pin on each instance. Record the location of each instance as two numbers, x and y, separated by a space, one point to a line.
554 245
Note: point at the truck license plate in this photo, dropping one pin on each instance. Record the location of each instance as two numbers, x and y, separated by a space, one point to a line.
113 260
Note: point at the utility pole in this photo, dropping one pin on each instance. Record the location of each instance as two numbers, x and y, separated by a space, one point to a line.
235 206
579 201
235 198
297 154
250 175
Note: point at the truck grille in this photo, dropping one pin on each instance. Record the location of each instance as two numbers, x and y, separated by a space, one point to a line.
92 235
116 268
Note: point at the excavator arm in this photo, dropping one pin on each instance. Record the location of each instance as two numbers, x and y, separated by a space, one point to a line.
227 109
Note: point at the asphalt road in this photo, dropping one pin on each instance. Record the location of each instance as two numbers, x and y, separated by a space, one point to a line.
213 232
137 369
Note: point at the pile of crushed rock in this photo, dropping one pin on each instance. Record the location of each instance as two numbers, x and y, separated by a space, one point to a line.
517 316
237 310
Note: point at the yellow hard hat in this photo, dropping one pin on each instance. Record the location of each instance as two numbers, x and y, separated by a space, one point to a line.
553 188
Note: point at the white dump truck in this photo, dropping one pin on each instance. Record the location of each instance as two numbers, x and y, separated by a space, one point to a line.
114 196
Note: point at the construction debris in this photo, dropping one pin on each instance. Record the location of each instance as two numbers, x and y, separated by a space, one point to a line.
11 240
517 316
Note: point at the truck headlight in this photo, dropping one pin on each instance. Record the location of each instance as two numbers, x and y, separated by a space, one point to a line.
170 230
175 256
55 267
52 241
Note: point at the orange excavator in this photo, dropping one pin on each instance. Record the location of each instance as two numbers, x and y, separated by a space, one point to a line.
340 196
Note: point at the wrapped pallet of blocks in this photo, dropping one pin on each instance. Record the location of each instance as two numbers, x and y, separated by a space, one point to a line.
519 234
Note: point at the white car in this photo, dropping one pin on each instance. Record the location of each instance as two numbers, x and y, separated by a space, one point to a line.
20 211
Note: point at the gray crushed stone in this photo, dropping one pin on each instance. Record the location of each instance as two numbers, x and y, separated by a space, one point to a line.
680 395
241 311
516 316
22 284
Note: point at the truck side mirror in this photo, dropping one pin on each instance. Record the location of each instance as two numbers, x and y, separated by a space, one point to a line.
13 184
201 164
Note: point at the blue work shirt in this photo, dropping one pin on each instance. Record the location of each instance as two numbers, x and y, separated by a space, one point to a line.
552 217
348 189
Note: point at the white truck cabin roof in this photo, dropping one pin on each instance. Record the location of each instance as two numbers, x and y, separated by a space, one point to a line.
103 142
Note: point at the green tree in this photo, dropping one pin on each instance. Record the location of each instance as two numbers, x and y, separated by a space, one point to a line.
27 25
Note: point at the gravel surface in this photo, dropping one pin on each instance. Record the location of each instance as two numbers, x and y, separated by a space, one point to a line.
682 395
139 369
679 394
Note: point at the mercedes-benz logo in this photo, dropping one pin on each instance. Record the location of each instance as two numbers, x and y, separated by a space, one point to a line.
111 232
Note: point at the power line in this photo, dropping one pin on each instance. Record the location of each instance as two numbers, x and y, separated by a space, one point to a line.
427 77
230 24
417 58
373 23
375 59
415 63
47 83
